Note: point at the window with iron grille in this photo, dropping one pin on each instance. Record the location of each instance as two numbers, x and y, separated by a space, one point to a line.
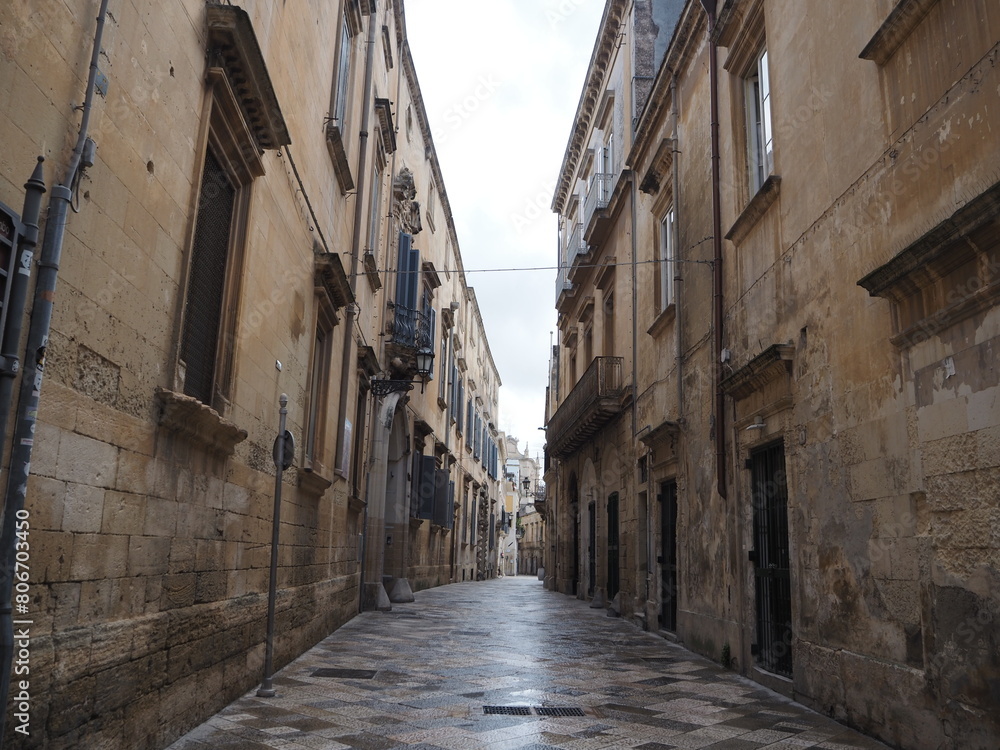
319 385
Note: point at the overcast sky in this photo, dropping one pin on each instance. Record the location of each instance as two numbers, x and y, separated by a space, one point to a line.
501 81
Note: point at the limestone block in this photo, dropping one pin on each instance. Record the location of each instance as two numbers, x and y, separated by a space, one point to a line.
210 586
44 500
161 517
83 508
99 556
178 591
182 555
950 455
51 553
45 451
111 644
123 513
128 598
86 461
148 555
988 446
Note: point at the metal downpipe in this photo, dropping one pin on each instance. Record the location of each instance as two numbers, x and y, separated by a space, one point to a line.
34 371
717 310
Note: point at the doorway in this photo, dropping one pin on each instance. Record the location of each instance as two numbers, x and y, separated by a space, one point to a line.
668 555
592 551
770 558
613 573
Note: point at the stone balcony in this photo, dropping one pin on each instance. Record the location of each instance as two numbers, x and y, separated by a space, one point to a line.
594 401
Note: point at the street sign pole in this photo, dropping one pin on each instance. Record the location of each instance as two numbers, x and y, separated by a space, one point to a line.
283 452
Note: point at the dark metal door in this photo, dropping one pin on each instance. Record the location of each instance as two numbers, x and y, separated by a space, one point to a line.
771 560
668 555
576 553
592 552
612 545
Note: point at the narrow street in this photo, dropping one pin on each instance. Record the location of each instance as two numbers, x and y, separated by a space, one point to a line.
423 675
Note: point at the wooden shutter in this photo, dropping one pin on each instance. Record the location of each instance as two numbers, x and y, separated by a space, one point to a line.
425 495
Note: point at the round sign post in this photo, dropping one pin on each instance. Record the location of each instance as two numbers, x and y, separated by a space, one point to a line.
284 451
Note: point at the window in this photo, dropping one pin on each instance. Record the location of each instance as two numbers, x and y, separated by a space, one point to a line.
375 209
340 94
757 96
664 266
431 204
208 333
609 325
319 382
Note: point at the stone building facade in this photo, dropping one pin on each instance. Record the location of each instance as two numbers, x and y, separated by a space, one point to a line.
239 235
793 468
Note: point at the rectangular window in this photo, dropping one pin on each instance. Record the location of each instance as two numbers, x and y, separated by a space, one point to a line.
319 382
375 208
665 270
757 94
203 313
343 73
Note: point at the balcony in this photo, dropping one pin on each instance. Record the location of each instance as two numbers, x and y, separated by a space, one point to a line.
407 331
598 197
594 401
576 245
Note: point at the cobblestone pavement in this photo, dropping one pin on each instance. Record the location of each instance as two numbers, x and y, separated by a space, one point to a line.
421 677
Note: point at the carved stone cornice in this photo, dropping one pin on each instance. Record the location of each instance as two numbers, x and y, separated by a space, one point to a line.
769 365
330 278
231 38
383 114
895 29
586 109
755 209
312 483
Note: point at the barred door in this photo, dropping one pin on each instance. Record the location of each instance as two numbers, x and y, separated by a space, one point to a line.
668 556
771 560
613 574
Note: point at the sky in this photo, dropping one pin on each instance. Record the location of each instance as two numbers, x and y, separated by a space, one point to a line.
501 81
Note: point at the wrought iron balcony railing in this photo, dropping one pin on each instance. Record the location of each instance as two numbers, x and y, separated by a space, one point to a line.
598 195
594 401
409 328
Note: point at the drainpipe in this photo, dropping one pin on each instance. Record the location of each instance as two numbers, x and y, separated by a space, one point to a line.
347 359
352 312
720 399
678 276
34 188
34 370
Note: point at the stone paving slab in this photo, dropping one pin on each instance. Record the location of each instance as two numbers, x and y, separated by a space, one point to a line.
421 675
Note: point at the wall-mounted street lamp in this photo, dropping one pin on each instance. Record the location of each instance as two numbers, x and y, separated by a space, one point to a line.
424 360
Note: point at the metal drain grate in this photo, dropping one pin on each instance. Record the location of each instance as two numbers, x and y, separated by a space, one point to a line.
559 711
508 710
534 710
345 674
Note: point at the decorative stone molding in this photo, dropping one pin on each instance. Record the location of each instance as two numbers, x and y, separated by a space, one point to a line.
312 483
330 279
405 207
946 276
755 209
898 25
659 167
768 366
383 115
232 39
603 54
338 153
356 504
371 270
202 425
